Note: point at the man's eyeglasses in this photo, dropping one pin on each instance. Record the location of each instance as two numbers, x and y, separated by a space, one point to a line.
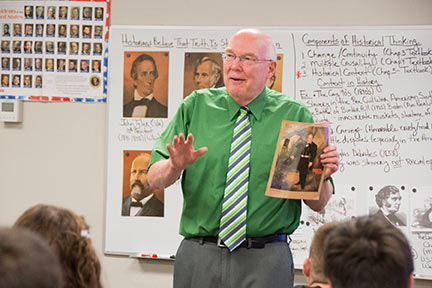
244 60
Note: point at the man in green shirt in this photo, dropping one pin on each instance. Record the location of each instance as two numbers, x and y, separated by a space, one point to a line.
264 259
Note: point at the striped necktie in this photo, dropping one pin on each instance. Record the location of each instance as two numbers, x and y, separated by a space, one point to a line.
234 206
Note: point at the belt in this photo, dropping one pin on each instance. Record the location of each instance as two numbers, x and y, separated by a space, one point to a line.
252 242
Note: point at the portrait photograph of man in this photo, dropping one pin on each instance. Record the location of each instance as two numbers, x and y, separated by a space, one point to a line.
16 81
86 48
38 64
40 11
72 67
28 30
38 47
387 204
17 29
16 64
28 64
5 63
98 31
145 91
38 81
99 13
87 13
5 80
138 199
5 46
61 47
62 28
75 13
27 81
74 31
16 46
51 12
87 31
202 70
61 65
84 65
97 48
28 47
49 47
39 30
49 64
6 30
63 12
28 12
96 66
73 48
50 30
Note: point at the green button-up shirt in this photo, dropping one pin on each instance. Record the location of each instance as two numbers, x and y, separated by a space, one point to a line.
210 116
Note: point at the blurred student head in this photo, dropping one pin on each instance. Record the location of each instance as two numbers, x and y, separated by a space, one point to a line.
313 267
368 252
27 261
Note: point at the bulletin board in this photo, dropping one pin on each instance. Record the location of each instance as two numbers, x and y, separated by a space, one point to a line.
374 84
54 50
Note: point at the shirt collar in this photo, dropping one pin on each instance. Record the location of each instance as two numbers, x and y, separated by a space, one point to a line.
256 107
138 97
145 200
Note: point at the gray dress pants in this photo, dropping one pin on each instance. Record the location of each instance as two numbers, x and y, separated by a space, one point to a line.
206 265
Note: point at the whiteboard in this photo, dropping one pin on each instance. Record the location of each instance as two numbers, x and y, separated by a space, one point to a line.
373 84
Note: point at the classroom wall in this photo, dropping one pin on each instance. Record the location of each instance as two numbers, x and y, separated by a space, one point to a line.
57 155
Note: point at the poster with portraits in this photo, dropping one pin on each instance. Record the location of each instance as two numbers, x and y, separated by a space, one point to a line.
54 50
352 78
